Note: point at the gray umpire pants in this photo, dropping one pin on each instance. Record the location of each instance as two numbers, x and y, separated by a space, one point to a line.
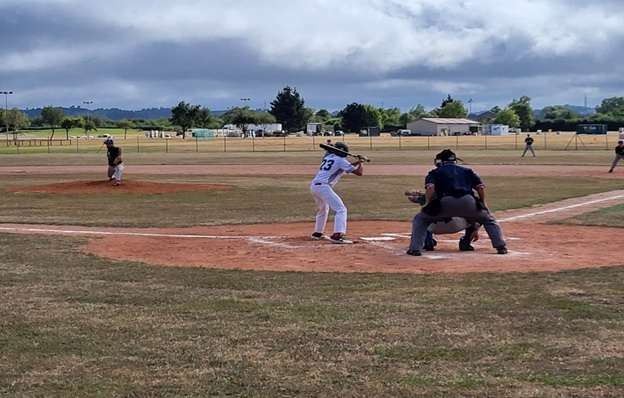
528 148
464 206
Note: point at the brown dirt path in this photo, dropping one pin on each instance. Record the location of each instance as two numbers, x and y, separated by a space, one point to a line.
380 245
264 169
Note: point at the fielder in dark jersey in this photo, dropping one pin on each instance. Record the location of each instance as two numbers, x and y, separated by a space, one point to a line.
528 145
115 164
619 155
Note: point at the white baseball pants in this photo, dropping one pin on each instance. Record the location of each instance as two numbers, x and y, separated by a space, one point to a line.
116 172
326 199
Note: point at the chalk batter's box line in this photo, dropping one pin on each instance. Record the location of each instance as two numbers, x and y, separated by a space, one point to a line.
266 239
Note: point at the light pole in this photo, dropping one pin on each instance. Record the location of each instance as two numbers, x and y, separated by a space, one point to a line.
469 107
244 100
6 112
87 103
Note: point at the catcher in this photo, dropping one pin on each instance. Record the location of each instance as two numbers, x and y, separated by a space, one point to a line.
447 226
115 166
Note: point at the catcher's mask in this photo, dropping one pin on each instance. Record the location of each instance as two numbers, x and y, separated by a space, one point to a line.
343 147
108 141
445 156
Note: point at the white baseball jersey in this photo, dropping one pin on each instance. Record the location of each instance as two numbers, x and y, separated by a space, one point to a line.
332 168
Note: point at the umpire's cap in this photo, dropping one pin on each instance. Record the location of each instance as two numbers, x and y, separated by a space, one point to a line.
343 147
446 156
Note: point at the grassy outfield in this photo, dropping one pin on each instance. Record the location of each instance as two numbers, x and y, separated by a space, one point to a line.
76 325
413 156
609 217
260 199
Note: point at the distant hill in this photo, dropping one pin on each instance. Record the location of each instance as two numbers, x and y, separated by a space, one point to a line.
114 113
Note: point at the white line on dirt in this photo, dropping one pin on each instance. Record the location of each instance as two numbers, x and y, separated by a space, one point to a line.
119 233
271 243
537 213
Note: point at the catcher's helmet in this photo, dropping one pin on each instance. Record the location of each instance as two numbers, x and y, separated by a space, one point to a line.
343 147
108 141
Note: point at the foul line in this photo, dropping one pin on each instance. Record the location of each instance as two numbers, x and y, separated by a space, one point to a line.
142 234
560 208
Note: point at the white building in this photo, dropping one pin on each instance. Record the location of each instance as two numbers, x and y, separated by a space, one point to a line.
258 130
495 129
443 126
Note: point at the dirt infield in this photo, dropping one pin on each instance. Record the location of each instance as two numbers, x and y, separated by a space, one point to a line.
380 245
128 186
373 169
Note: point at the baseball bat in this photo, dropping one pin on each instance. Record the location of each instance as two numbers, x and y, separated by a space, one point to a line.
333 149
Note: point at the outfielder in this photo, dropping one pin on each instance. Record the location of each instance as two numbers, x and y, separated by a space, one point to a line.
449 193
619 155
528 145
115 166
333 166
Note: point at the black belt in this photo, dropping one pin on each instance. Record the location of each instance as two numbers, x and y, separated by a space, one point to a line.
318 183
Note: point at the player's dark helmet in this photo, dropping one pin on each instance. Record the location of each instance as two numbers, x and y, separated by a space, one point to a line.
343 147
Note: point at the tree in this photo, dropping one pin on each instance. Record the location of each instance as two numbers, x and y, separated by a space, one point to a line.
185 116
453 109
16 120
390 116
288 109
323 114
356 116
446 101
125 124
612 106
507 116
203 118
522 107
241 117
69 123
89 124
559 112
52 116
414 113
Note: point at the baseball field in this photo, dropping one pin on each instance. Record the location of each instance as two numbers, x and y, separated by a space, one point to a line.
197 277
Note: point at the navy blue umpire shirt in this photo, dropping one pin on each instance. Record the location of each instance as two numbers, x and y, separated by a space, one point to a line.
451 179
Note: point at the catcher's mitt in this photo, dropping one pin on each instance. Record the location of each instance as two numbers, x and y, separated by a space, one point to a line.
416 197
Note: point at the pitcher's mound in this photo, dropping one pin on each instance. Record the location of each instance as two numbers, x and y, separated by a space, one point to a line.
128 186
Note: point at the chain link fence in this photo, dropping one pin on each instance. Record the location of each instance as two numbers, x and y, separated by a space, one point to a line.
543 141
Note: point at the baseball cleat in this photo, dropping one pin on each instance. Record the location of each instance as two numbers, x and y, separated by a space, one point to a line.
413 253
339 239
501 250
317 236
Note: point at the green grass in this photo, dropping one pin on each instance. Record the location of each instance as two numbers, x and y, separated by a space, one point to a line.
187 155
77 325
260 200
609 217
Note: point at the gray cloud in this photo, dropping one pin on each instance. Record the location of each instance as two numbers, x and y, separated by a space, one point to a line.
396 53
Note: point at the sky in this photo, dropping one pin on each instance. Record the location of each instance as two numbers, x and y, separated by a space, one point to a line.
135 54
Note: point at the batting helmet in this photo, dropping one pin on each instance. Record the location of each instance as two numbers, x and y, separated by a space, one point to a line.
343 147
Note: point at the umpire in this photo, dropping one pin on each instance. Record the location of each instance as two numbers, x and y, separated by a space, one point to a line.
449 193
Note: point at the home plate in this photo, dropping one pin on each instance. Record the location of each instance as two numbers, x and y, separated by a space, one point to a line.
377 238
